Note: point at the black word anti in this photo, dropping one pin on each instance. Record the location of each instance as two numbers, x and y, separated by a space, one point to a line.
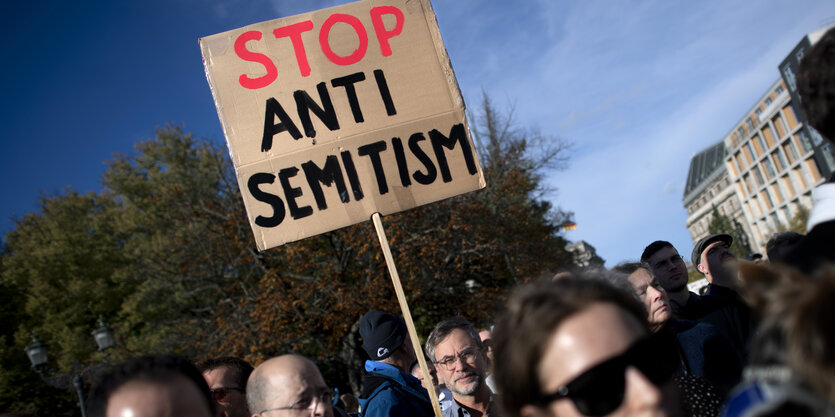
324 110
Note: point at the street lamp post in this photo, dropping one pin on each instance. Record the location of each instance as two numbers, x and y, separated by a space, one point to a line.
38 354
104 336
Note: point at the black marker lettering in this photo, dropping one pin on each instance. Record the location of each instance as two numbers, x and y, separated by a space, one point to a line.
384 92
326 113
272 109
348 82
331 173
273 200
431 172
372 150
290 193
439 141
400 157
353 178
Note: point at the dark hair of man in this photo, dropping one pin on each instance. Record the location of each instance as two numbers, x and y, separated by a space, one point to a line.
816 85
242 369
152 368
523 330
780 244
654 247
444 328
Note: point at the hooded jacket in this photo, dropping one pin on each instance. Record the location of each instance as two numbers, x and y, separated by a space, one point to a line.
389 392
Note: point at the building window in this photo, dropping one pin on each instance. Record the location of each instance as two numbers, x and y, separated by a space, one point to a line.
758 175
800 174
778 90
767 101
788 182
760 142
769 168
813 170
804 142
790 150
769 202
781 161
758 112
750 125
782 128
749 152
791 119
777 192
772 138
741 133
787 214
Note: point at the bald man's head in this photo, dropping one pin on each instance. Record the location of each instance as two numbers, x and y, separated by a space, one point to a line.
288 381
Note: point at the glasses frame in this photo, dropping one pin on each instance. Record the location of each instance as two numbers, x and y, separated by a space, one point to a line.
448 362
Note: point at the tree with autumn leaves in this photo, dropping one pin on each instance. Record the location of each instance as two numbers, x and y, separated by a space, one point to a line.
166 255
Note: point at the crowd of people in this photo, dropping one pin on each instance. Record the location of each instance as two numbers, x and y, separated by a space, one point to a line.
632 340
628 341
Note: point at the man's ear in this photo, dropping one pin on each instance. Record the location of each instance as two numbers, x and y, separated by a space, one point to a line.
702 268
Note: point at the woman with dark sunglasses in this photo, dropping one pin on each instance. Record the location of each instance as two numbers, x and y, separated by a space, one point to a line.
579 347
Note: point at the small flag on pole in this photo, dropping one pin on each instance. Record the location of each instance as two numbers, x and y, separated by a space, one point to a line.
568 226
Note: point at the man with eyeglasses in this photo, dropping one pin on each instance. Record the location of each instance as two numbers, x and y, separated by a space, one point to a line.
459 356
227 378
288 385
388 388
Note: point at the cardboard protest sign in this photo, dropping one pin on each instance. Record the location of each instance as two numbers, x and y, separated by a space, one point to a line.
333 115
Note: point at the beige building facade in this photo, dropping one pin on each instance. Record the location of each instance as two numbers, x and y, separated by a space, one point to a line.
765 173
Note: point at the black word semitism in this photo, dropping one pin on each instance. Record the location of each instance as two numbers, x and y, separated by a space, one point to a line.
330 173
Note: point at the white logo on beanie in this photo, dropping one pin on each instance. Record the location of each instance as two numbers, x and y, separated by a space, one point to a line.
382 352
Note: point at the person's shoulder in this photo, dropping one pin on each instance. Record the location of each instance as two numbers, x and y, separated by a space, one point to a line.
381 403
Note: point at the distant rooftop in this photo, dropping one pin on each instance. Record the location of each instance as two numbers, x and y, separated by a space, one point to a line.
703 165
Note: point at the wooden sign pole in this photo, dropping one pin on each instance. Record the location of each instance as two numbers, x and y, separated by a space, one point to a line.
407 315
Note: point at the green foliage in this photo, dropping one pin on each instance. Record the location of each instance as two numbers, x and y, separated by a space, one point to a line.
798 221
720 223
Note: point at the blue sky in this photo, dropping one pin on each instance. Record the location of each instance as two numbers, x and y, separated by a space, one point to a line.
637 86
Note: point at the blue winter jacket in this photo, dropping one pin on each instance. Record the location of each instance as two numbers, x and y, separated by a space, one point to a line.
389 392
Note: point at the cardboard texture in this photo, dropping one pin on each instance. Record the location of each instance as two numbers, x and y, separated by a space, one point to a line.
333 115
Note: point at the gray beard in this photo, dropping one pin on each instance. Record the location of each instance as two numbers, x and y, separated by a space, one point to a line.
472 390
